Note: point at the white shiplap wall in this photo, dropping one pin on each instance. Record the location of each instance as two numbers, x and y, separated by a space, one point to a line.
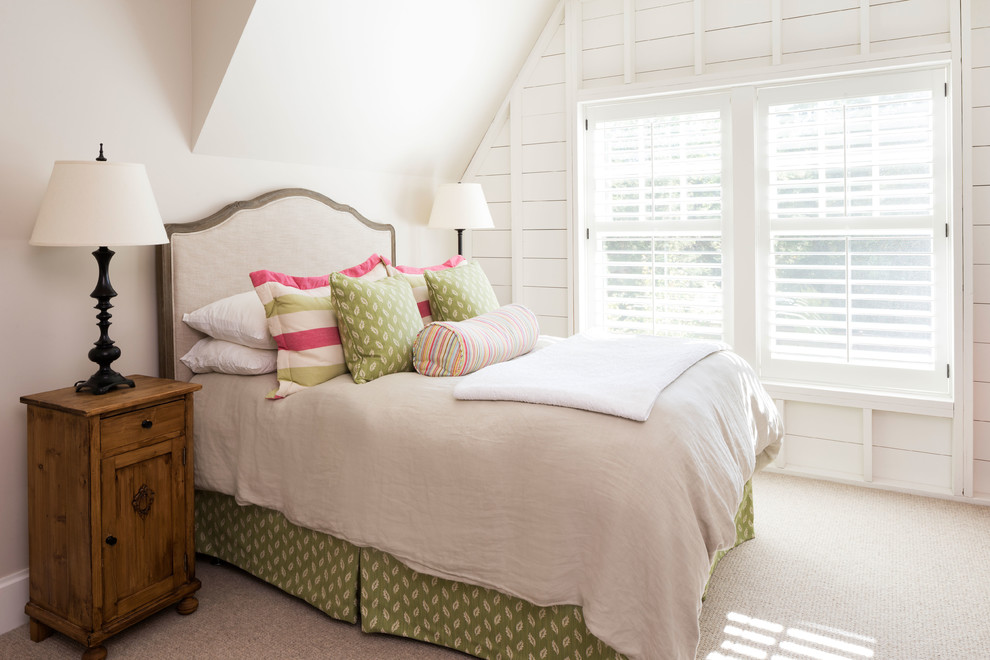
979 97
599 49
524 173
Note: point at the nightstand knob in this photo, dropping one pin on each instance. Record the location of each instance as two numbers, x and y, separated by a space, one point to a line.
146 424
111 540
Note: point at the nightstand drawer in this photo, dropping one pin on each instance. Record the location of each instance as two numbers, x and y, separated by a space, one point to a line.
145 424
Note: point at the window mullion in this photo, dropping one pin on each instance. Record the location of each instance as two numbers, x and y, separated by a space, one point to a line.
653 284
849 311
845 161
653 240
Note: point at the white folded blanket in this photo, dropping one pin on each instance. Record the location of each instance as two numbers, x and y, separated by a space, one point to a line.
620 376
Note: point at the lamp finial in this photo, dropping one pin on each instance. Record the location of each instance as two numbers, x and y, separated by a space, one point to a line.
101 157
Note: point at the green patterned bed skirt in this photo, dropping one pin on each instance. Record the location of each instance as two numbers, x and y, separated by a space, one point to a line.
316 567
744 529
395 599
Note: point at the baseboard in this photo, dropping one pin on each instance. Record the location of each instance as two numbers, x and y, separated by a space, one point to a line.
13 596
877 484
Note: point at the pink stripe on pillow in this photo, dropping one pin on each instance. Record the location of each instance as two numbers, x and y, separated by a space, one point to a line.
297 282
259 277
363 269
456 260
307 339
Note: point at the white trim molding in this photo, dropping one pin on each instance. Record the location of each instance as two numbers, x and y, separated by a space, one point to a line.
13 596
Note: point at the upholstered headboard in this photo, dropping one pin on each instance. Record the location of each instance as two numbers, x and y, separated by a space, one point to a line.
293 231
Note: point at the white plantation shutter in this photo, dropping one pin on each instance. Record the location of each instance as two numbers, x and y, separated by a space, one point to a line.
655 217
659 284
859 157
855 204
853 299
834 272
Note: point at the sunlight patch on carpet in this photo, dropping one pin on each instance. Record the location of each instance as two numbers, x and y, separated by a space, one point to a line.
748 638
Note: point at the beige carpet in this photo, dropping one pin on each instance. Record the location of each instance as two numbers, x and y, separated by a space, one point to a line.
835 573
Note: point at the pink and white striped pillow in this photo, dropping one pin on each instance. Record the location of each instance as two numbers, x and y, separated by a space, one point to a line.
456 348
302 320
418 282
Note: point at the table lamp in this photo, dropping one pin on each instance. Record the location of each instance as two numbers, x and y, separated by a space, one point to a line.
460 206
98 203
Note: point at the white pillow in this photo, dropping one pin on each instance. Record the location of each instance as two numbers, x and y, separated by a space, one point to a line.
225 357
239 318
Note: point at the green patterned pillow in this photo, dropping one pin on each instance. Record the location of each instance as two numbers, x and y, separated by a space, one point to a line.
378 323
458 294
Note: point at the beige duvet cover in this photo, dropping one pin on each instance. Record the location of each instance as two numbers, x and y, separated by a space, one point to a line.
554 505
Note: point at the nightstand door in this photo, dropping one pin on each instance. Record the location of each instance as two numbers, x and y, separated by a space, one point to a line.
143 494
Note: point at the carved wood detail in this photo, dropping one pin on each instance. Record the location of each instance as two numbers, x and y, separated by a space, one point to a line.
142 501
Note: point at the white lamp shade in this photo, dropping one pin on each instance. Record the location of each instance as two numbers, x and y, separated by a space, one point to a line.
460 206
93 203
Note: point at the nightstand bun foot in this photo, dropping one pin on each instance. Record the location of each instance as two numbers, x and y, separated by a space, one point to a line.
187 605
95 653
38 630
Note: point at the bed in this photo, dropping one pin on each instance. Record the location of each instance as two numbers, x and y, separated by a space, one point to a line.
499 528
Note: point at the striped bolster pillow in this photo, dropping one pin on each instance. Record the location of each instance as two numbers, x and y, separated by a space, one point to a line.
302 320
456 348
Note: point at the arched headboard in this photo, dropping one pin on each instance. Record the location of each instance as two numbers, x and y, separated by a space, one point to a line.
292 230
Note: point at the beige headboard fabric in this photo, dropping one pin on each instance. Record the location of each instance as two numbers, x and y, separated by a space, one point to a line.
293 231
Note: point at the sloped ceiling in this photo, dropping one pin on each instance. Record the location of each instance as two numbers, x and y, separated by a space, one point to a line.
383 85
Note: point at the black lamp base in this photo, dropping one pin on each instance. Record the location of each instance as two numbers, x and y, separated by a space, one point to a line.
103 352
101 383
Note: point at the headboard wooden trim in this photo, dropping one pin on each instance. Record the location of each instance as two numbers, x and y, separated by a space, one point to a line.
163 258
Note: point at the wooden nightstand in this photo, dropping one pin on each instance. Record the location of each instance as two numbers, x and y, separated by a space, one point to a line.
110 508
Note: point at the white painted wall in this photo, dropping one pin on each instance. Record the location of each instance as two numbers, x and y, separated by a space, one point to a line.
76 74
593 50
390 85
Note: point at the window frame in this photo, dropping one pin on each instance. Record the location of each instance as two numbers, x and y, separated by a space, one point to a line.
651 107
935 382
746 246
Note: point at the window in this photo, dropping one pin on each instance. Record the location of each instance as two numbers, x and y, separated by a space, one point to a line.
855 221
849 221
655 190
